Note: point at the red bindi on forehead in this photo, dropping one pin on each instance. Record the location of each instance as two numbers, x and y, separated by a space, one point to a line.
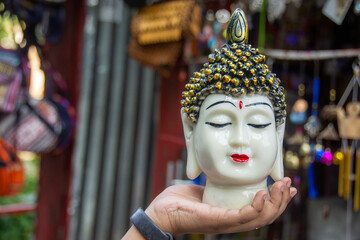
240 104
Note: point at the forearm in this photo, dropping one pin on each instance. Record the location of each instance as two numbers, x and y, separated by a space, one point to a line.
133 234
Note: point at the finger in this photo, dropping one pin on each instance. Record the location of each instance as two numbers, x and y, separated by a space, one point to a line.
287 181
293 192
259 200
251 212
277 194
286 196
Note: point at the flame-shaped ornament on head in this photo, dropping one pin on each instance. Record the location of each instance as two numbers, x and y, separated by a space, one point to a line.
237 69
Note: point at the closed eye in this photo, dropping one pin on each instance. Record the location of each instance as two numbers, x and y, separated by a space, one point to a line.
218 125
258 125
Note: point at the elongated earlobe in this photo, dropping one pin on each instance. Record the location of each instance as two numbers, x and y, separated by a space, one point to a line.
277 172
192 167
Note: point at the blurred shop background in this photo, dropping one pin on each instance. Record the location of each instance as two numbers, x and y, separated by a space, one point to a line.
90 125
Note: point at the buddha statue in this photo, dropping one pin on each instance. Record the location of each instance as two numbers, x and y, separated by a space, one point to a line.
233 115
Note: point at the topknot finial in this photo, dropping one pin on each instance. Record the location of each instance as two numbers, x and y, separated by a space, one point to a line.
237 30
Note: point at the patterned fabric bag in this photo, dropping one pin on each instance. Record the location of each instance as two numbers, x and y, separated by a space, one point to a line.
41 125
35 127
11 79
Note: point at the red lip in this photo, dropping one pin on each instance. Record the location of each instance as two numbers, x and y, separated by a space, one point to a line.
240 158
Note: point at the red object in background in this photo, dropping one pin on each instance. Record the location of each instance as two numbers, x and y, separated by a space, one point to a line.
15 209
5 179
11 170
170 142
55 169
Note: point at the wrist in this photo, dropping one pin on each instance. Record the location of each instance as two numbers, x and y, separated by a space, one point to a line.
148 228
133 233
161 219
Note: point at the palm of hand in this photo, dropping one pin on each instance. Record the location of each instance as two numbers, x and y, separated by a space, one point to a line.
182 207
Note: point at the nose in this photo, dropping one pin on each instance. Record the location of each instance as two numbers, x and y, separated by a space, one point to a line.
239 136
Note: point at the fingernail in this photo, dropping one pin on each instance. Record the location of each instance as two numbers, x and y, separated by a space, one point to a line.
265 196
288 184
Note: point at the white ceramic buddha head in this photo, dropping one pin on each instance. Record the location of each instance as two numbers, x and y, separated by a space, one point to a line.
233 117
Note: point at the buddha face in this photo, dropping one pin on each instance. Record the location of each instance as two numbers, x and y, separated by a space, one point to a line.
235 140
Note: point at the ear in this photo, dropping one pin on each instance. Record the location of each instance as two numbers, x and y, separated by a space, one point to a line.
192 167
277 172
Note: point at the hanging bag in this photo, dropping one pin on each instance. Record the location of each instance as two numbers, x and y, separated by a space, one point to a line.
11 79
41 125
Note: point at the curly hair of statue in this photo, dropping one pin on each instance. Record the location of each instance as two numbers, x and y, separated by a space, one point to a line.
236 70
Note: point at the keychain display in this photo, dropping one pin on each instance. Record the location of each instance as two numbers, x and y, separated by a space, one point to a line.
349 131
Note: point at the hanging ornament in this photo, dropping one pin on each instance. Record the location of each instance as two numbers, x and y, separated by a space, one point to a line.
297 138
276 9
222 16
349 122
304 152
304 149
327 157
298 111
313 125
347 171
255 5
329 133
291 160
357 7
329 111
357 182
339 158
313 192
336 10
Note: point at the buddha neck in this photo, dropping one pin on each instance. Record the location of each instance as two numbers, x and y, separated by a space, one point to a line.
231 196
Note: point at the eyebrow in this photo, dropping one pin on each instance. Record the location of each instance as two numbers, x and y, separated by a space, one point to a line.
219 103
258 103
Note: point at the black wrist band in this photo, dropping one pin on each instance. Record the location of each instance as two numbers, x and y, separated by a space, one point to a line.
148 228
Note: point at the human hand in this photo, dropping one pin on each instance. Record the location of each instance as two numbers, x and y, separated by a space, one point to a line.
179 209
